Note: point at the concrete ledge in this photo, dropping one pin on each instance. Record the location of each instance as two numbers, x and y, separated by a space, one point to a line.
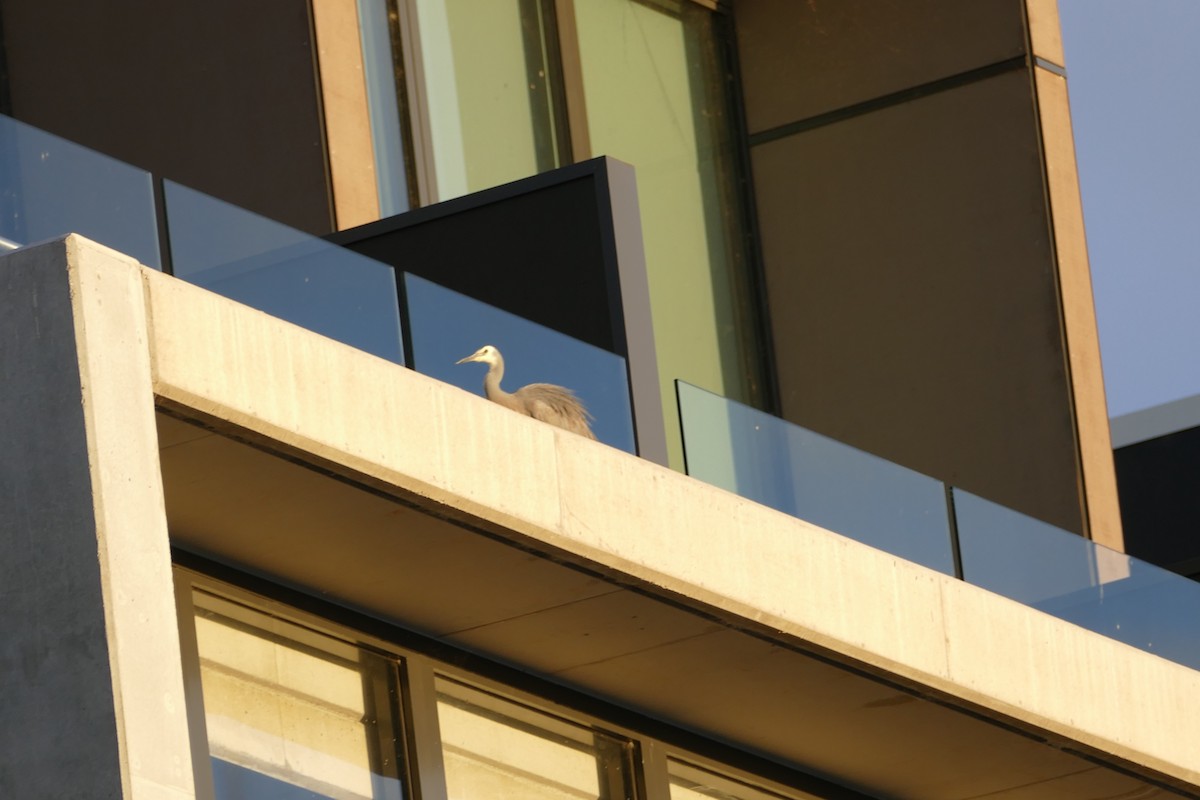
86 578
578 500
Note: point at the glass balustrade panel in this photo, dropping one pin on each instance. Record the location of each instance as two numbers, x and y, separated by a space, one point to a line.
1078 580
815 478
50 187
447 326
284 272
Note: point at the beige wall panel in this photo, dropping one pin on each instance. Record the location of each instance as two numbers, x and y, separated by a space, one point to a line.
1044 30
347 115
1079 312
800 59
913 298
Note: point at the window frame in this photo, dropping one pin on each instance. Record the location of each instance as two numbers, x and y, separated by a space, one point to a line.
419 662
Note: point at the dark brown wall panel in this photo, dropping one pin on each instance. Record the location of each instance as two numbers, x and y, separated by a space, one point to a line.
801 58
219 95
913 294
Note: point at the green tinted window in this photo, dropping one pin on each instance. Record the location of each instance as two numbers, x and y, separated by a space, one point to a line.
490 76
655 80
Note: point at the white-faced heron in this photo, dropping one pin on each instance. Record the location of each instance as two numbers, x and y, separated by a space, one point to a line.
556 405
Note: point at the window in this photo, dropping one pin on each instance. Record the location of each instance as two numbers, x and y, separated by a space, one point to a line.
493 748
295 707
291 713
492 92
693 783
656 82
510 88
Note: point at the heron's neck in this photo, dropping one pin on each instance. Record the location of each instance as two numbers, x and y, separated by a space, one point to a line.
491 383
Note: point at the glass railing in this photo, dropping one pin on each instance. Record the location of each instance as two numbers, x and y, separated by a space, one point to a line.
50 186
446 326
1077 580
815 478
284 272
891 508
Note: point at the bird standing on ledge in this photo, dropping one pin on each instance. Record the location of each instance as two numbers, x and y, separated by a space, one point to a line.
556 405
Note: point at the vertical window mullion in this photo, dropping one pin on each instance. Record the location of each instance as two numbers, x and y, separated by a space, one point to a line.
572 80
424 745
656 782
193 691
406 44
388 744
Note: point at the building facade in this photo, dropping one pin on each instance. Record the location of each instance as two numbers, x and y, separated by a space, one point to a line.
826 250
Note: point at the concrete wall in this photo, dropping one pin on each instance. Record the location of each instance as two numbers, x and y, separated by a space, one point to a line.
92 698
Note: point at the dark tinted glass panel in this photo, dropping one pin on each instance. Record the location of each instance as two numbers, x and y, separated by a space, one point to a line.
815 478
284 272
50 187
447 326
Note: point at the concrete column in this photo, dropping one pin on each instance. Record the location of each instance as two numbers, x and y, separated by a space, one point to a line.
91 690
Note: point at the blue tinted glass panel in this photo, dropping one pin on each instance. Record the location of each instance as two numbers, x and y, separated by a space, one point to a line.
447 326
286 273
234 782
1017 556
50 187
815 478
1077 580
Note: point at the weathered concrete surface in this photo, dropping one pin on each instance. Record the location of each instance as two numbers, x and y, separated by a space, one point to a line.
92 696
756 568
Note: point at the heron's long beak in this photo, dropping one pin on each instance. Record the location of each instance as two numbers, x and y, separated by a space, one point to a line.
473 357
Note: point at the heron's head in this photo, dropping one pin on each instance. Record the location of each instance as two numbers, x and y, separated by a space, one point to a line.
486 354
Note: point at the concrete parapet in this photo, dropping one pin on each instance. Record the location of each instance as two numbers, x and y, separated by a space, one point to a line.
89 653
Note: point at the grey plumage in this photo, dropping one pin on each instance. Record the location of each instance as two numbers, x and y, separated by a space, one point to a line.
547 402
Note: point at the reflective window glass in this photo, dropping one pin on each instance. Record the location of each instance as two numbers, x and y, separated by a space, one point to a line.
291 713
491 85
655 81
495 748
693 783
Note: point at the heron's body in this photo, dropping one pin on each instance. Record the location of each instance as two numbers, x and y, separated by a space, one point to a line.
547 402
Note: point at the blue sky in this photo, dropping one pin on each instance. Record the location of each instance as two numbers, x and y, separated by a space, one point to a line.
1133 72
